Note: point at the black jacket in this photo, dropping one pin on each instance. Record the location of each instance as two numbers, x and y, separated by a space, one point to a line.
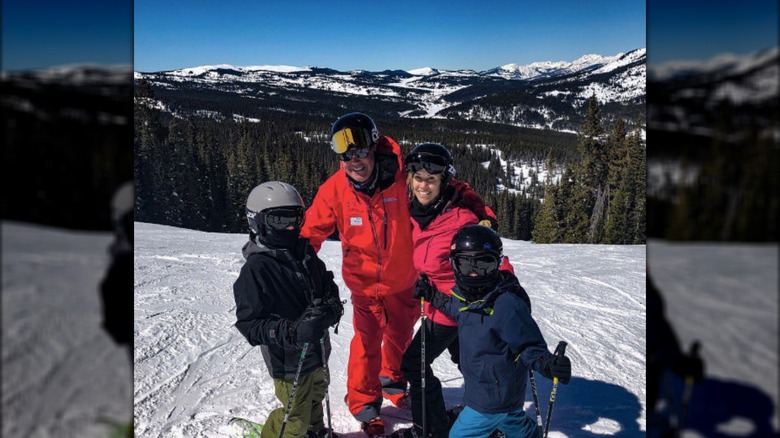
116 292
274 288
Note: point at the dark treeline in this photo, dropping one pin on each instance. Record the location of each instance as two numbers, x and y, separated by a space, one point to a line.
733 195
66 149
196 172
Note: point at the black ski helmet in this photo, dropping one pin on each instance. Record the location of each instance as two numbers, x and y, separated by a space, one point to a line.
270 195
353 130
476 240
433 157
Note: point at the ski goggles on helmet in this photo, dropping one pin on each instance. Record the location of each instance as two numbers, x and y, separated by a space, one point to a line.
281 218
351 138
351 153
433 164
481 264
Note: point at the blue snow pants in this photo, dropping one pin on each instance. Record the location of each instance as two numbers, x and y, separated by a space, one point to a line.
473 424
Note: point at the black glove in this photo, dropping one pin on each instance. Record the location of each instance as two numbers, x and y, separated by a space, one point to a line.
309 328
557 365
334 310
423 289
561 368
691 364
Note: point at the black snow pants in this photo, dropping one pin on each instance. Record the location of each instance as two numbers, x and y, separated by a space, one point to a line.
437 339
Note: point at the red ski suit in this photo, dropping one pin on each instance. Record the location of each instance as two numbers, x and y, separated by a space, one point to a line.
376 242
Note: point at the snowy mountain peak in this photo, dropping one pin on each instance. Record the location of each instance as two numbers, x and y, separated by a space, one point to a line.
543 69
203 69
424 71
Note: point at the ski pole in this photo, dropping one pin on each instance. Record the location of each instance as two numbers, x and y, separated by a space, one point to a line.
294 387
422 362
559 351
536 400
326 378
686 395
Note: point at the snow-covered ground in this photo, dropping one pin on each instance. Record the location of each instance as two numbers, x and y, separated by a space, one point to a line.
726 297
62 375
193 370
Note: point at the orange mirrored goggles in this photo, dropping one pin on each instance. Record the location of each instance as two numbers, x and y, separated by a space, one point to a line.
355 138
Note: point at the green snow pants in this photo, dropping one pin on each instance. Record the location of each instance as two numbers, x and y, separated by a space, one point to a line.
306 411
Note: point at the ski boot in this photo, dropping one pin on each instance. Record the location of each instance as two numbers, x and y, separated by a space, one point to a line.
373 427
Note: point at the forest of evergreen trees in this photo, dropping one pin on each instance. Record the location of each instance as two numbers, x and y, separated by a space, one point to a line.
195 172
66 149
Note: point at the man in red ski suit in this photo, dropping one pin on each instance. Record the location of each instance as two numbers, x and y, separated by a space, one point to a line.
366 202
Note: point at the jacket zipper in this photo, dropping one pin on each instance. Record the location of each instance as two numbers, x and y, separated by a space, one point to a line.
376 240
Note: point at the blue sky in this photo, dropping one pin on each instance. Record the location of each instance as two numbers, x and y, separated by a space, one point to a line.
374 35
700 29
379 35
39 34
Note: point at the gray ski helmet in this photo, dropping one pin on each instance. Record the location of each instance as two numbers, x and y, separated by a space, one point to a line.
271 194
122 209
122 201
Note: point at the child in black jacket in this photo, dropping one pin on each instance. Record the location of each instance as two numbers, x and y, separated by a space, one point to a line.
285 301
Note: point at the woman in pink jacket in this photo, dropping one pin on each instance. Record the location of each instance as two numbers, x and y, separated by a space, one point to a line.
440 206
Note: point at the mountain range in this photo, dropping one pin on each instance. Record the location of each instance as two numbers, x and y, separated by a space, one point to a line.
547 95
719 94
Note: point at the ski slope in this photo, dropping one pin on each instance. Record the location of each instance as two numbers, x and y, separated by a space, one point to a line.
62 375
194 370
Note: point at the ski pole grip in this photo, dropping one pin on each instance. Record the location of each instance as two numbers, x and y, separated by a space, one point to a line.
560 349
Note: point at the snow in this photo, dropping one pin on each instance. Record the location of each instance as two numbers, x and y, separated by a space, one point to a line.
193 370
424 71
62 374
726 296
195 71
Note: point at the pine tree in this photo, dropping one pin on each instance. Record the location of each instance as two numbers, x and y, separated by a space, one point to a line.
547 226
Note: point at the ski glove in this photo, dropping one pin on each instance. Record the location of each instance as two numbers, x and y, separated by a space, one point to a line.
691 364
309 328
423 289
334 310
489 222
554 366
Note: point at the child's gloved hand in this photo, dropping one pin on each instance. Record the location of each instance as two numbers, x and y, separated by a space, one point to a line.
334 310
691 365
310 327
561 368
423 289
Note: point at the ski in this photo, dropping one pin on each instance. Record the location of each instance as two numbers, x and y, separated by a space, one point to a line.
118 429
250 428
